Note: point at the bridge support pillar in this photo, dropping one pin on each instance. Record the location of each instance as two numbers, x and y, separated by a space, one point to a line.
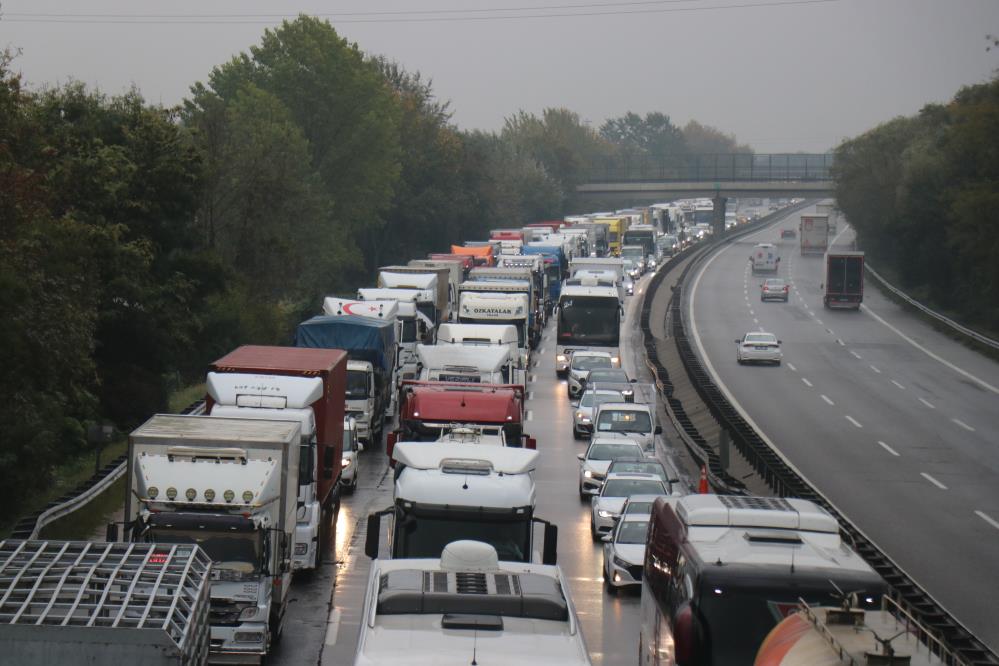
719 221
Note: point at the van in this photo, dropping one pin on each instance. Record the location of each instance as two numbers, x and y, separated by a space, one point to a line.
765 258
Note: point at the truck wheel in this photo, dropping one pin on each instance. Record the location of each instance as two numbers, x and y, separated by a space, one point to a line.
349 490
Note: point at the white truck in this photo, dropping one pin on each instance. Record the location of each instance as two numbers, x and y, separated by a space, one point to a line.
418 277
415 327
455 276
231 487
446 491
498 302
502 335
467 605
470 364
813 232
829 210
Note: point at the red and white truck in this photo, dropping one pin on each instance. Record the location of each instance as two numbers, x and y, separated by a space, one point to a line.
293 384
844 285
813 231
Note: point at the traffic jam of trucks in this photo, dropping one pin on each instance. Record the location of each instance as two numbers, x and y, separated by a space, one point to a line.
239 502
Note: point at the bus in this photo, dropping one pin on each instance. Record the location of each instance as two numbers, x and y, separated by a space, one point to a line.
589 317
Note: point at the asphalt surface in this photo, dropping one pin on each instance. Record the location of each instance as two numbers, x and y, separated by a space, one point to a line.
609 622
896 424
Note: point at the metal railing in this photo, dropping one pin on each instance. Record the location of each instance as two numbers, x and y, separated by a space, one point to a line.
714 167
950 323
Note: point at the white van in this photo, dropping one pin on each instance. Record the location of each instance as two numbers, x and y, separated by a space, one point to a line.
765 258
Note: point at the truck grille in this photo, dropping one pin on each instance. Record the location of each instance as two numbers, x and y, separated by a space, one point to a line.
226 613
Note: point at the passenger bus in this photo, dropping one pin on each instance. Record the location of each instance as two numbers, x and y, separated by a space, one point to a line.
589 317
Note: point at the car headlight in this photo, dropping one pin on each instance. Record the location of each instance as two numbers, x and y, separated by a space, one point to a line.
560 358
345 463
579 415
615 360
588 474
621 563
603 513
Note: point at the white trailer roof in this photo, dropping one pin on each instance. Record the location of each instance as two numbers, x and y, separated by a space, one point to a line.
269 391
483 359
496 334
338 307
407 280
436 455
573 290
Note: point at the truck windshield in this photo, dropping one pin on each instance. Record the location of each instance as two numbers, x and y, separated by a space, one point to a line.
409 330
235 551
426 536
357 385
589 320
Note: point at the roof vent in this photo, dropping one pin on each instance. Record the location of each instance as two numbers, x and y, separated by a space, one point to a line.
469 556
772 536
466 466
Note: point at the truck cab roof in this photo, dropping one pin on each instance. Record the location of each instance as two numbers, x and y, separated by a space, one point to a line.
447 402
338 307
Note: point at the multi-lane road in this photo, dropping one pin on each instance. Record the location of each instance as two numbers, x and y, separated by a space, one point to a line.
896 424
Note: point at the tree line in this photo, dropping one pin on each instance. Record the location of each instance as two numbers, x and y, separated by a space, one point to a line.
138 243
922 193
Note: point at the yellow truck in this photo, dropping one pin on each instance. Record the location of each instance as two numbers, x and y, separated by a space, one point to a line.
616 226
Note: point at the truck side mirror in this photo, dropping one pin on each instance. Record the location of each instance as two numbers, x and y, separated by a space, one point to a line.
371 541
390 440
532 443
550 553
111 534
659 430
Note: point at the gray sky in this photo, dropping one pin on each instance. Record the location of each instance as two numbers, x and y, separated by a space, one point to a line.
782 78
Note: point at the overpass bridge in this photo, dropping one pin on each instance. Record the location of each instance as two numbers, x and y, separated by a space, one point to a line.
652 179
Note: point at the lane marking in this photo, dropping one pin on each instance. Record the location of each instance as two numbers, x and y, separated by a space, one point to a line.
963 425
751 311
853 421
826 398
819 322
888 448
933 481
838 341
755 320
333 627
897 384
960 371
791 366
530 415
530 395
987 518
856 355
875 369
807 383
542 351
927 403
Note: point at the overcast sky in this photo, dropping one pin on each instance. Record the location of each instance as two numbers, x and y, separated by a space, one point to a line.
782 75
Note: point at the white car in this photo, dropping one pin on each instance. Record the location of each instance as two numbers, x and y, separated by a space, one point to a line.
580 365
349 462
633 420
599 455
606 507
624 551
582 414
758 347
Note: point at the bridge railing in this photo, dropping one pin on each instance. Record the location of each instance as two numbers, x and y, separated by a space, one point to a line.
714 167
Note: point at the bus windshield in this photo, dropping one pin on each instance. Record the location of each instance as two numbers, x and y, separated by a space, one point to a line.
589 320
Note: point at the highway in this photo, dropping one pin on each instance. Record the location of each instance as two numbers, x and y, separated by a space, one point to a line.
893 422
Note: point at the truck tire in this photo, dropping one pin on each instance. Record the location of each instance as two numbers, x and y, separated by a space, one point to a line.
576 434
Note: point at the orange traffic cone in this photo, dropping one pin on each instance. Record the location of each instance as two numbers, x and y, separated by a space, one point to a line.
702 487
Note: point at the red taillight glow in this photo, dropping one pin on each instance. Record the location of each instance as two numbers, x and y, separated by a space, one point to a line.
159 558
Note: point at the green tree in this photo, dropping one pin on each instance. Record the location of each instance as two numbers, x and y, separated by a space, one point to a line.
654 135
706 140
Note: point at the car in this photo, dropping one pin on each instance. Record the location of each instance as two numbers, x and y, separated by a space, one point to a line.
580 365
629 285
606 507
774 289
351 447
624 552
758 347
644 466
633 420
788 233
642 504
608 375
598 457
582 415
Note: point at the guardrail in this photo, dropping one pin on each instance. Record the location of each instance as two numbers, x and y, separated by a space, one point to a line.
959 645
30 526
953 325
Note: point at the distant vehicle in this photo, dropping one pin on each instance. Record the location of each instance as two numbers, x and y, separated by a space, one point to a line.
765 258
582 362
788 233
606 507
624 552
351 447
774 289
814 234
756 347
598 458
844 285
714 614
582 415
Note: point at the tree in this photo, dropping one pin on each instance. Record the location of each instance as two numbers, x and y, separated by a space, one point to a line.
705 140
655 135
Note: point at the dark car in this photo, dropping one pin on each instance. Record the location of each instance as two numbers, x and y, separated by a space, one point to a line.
788 233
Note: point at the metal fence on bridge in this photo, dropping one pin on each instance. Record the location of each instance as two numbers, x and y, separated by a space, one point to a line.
721 167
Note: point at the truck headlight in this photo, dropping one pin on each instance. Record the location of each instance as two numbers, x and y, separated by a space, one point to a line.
250 612
248 637
615 360
560 358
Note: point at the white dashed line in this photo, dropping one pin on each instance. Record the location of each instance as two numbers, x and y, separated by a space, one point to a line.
532 379
987 518
806 382
333 627
897 384
819 322
530 395
853 421
755 320
875 369
530 415
888 448
838 341
933 481
963 425
927 403
791 366
828 401
856 355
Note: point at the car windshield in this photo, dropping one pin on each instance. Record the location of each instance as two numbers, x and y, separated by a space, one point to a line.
632 531
357 385
613 375
628 487
639 508
348 440
235 551
761 337
614 451
590 362
591 399
650 467
614 420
